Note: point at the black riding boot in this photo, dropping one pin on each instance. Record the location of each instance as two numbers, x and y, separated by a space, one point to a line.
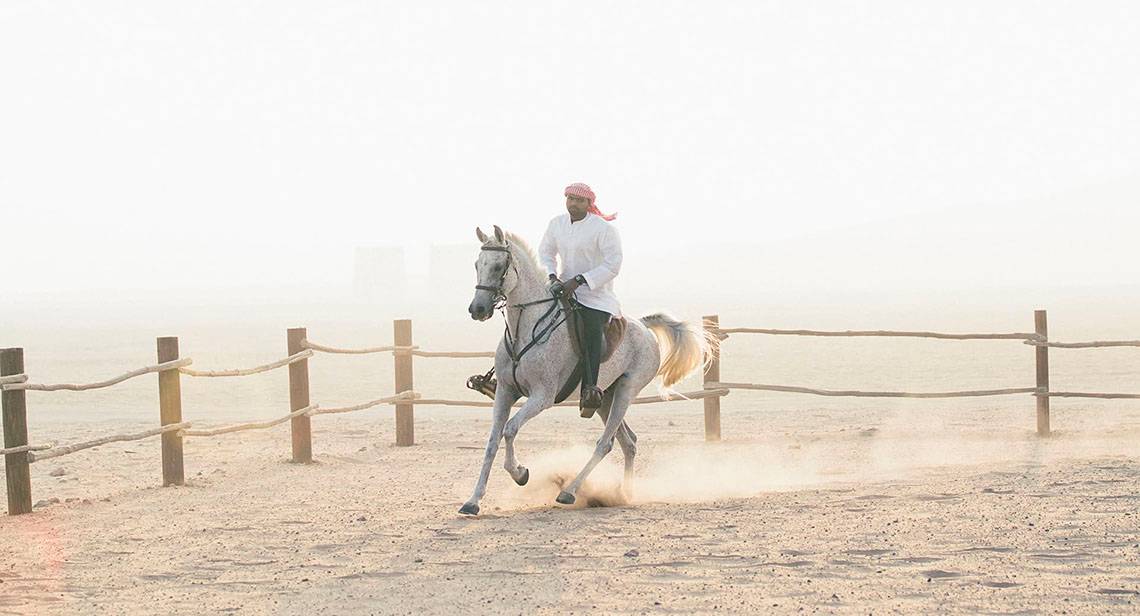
592 329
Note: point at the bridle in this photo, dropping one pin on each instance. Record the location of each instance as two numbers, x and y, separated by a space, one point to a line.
537 337
500 297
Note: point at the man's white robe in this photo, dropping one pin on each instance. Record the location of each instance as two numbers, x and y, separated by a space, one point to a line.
590 247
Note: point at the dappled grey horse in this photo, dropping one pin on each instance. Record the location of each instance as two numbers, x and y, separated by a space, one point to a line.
535 359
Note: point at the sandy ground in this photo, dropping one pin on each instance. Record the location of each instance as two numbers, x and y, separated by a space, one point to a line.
769 524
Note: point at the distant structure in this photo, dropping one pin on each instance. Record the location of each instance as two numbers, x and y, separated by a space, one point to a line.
434 281
451 276
452 266
379 272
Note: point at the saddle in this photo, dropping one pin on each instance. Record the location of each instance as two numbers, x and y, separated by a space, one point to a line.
614 332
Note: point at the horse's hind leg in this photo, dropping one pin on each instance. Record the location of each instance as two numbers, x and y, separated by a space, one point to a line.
623 394
625 437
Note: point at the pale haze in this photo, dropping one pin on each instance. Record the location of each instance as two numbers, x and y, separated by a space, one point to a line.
155 155
225 171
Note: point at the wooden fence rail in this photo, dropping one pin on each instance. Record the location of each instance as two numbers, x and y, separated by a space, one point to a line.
1039 340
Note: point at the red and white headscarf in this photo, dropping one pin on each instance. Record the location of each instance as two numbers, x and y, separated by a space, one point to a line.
579 189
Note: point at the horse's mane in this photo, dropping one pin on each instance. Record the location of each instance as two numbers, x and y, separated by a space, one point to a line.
517 240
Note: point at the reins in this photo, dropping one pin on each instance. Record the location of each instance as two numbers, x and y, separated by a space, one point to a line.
550 317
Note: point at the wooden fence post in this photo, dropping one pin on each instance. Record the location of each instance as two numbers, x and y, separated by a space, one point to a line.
170 412
301 426
405 411
16 472
1041 327
712 375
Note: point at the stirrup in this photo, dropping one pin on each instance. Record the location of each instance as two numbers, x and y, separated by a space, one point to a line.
590 401
484 383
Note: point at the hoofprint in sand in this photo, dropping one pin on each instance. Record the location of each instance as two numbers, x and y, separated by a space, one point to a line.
838 518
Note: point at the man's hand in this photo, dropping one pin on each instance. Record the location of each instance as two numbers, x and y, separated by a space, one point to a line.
556 287
559 288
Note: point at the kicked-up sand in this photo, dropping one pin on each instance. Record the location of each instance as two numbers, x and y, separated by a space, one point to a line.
838 518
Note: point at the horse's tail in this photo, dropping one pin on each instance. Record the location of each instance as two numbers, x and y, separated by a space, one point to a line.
684 346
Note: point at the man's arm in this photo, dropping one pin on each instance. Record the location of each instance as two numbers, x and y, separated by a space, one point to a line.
610 244
548 251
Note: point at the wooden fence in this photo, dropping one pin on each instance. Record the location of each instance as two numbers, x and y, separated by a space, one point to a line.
1039 339
172 428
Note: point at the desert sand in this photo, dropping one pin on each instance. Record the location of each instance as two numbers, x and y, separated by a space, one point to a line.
829 519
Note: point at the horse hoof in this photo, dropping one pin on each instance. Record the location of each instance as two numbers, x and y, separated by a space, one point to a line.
565 498
525 477
469 509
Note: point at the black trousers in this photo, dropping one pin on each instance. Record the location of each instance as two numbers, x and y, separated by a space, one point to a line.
592 339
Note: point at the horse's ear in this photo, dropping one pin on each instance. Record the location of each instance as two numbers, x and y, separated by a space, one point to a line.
499 235
479 234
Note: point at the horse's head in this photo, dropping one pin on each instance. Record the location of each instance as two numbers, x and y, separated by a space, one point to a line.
492 274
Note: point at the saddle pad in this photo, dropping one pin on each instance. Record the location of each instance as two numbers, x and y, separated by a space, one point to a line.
615 331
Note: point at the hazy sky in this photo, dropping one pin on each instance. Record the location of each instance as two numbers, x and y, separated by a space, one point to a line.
224 144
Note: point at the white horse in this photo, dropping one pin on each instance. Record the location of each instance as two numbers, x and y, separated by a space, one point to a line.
536 359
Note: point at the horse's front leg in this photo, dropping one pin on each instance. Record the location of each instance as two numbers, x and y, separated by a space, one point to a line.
534 405
504 398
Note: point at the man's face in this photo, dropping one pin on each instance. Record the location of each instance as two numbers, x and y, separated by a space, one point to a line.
576 206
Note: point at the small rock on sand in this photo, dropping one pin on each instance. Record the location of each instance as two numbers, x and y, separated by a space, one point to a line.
632 554
59 472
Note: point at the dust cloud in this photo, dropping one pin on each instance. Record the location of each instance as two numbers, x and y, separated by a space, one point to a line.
677 472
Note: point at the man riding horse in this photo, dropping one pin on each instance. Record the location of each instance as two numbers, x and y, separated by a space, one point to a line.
537 358
590 251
